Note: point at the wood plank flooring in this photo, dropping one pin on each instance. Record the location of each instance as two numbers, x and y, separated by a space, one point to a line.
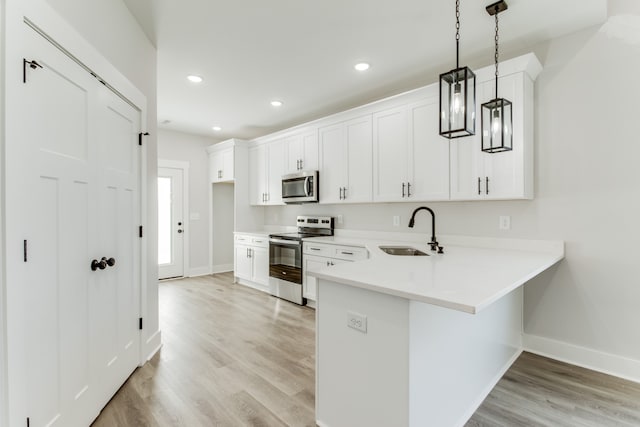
234 356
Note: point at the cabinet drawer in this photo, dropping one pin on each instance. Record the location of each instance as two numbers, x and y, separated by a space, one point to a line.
349 253
317 249
242 238
263 242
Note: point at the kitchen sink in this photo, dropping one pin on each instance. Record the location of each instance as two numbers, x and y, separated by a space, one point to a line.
402 251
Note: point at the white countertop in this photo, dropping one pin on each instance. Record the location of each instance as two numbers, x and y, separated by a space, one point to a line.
471 274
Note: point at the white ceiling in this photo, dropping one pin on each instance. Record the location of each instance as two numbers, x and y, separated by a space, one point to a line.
302 52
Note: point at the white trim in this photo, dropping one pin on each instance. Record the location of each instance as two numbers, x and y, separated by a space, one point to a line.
607 363
4 420
155 343
186 241
253 285
199 271
221 268
466 416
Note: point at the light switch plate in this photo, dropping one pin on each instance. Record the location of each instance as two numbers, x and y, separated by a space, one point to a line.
505 222
396 220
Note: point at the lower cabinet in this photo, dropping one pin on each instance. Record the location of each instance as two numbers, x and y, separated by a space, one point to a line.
251 261
317 256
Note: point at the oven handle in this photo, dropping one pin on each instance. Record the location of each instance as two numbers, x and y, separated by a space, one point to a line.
285 242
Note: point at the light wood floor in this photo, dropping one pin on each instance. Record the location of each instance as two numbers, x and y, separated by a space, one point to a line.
233 356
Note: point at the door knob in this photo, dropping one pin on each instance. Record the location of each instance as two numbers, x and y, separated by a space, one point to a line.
179 231
179 223
95 264
110 262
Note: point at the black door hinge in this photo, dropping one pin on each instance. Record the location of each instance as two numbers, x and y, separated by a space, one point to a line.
28 422
140 231
24 250
140 325
33 64
140 135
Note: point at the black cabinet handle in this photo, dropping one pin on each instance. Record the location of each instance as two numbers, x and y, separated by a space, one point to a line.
408 189
487 184
403 189
479 192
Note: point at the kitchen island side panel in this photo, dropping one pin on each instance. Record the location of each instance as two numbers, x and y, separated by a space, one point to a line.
456 358
362 378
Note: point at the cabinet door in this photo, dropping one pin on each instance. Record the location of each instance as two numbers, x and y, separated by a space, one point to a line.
293 153
275 168
428 153
242 267
359 187
390 149
315 263
333 163
309 145
227 165
215 167
257 175
506 171
260 265
466 167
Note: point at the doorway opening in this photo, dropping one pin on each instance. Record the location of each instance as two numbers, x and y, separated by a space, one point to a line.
173 254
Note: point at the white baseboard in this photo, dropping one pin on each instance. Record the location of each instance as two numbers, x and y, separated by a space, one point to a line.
253 285
595 360
198 271
221 268
154 343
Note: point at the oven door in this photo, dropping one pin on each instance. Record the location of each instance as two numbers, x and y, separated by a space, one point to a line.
285 260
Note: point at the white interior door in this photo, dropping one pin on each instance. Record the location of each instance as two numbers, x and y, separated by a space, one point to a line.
78 180
170 222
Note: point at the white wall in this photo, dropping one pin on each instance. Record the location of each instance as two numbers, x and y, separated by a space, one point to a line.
3 358
587 194
222 205
191 148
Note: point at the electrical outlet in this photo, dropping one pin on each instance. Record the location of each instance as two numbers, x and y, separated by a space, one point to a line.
396 220
357 321
505 222
340 219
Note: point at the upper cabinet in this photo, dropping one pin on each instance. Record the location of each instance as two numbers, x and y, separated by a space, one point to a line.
221 159
346 161
410 158
476 175
301 151
391 150
266 167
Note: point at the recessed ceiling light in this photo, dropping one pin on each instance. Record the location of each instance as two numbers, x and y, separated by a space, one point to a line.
217 128
276 103
362 66
194 79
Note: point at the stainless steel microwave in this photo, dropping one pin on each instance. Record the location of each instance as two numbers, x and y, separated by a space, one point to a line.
300 187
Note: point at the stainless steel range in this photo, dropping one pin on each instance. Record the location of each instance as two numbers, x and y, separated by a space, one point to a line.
285 257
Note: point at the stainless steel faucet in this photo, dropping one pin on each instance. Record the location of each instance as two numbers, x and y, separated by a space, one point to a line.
433 243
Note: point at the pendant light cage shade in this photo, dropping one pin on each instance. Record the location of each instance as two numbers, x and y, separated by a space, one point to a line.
458 103
497 132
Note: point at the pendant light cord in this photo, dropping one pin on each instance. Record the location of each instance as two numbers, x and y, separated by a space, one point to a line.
457 34
496 54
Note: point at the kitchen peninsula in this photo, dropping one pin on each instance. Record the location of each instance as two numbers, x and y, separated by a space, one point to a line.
420 340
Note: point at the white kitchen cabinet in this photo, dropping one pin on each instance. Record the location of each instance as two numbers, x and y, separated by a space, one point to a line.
346 162
410 158
251 261
476 175
221 165
317 256
301 151
266 167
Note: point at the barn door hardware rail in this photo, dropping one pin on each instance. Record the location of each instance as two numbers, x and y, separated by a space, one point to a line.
32 64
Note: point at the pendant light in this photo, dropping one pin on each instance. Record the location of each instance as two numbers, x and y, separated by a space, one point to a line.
497 115
458 96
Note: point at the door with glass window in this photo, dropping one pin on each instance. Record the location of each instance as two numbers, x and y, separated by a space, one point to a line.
170 223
